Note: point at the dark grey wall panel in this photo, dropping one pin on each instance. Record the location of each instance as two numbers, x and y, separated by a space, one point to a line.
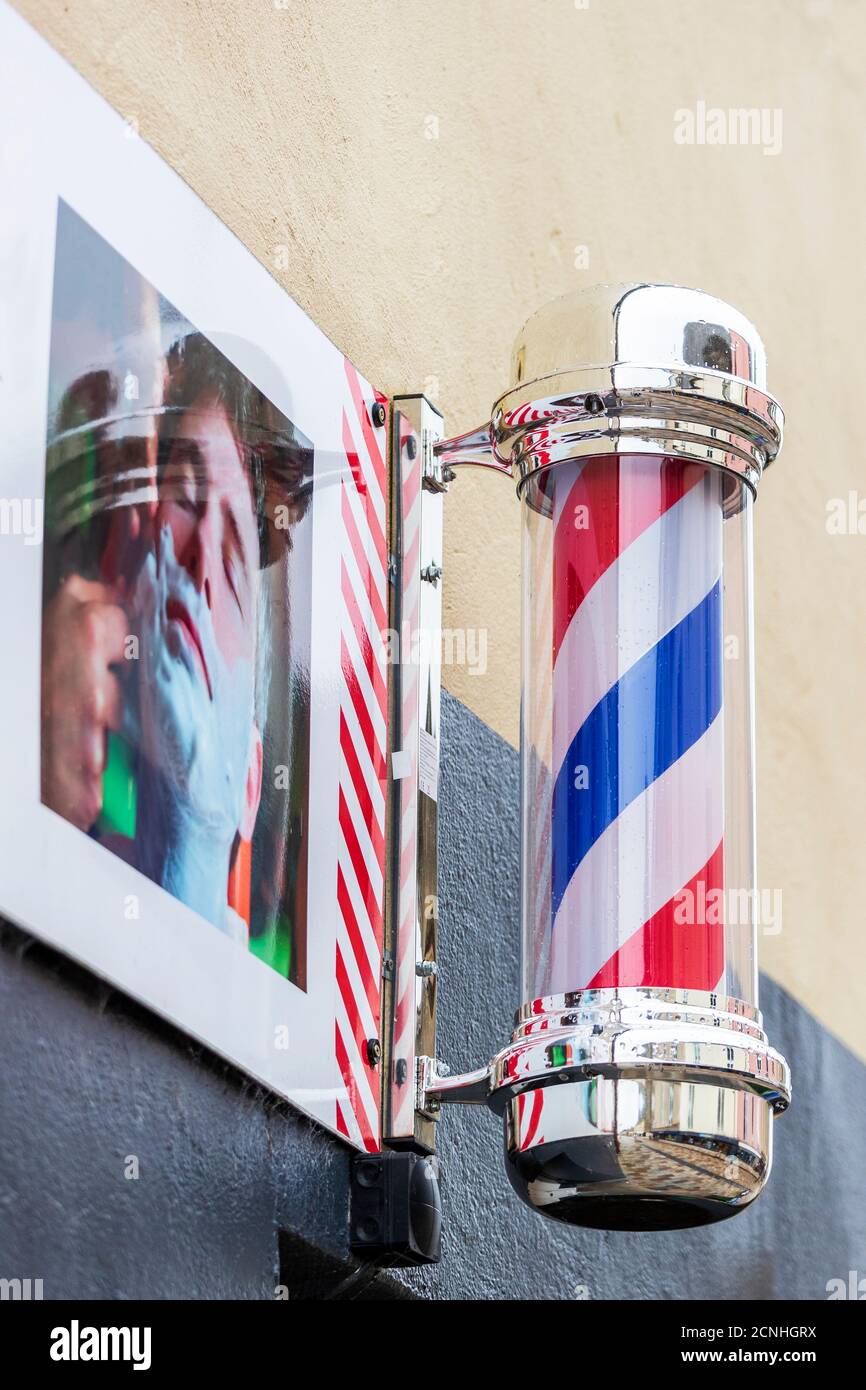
89 1078
234 1186
807 1227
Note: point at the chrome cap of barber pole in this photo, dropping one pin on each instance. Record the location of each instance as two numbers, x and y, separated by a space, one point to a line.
639 368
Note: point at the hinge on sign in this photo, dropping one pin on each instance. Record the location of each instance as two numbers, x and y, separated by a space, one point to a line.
427 1071
434 475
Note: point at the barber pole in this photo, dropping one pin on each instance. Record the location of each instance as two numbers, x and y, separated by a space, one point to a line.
639 1089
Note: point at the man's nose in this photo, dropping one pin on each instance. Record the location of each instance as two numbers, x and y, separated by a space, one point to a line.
198 564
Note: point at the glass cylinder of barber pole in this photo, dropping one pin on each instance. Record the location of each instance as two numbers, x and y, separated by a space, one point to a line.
638 729
638 430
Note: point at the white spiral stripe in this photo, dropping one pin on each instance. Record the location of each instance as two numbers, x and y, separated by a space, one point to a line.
655 847
659 579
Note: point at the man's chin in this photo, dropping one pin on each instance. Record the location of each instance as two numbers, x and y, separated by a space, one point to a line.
183 753
174 716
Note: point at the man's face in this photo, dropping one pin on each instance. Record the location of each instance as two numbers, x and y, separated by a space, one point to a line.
205 500
196 603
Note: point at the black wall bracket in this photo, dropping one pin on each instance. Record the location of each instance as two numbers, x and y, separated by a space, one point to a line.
395 1208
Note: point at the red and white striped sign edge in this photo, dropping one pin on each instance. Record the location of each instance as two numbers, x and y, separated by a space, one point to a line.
362 763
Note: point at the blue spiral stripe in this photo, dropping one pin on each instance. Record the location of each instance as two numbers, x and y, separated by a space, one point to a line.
654 713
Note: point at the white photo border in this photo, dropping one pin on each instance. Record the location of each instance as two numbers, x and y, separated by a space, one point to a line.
59 139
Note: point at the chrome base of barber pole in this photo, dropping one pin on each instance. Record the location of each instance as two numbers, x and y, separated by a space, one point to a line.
630 1109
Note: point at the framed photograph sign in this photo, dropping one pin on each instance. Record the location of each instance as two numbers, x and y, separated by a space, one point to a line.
193 597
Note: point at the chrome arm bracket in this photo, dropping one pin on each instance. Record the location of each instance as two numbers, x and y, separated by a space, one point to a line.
473 448
435 1088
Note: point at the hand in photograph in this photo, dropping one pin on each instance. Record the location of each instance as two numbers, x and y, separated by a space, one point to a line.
83 633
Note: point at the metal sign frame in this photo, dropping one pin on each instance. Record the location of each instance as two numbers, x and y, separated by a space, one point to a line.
412 913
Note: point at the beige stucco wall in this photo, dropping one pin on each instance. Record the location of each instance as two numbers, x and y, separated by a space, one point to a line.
419 176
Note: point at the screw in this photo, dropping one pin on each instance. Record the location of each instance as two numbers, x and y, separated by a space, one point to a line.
377 414
374 1051
432 573
411 446
426 969
594 405
401 1071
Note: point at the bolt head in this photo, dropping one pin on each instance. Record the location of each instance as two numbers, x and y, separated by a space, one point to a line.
374 1051
377 414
